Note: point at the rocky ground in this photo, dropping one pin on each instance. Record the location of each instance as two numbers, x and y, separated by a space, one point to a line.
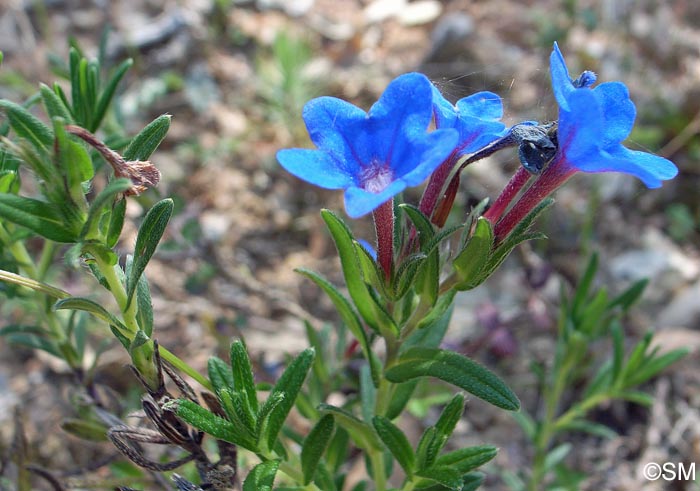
234 75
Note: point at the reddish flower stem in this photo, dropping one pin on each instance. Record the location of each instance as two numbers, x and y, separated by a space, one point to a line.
384 226
433 190
551 178
516 183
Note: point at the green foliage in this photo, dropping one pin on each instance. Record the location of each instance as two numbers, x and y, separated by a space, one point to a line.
588 317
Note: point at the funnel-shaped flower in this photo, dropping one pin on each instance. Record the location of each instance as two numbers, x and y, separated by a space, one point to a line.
591 126
372 156
477 119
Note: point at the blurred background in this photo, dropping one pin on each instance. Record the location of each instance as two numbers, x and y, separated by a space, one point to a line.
235 75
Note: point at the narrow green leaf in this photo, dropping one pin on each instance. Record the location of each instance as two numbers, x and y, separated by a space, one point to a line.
630 296
74 163
242 371
146 142
262 477
368 393
584 285
468 458
336 454
91 307
238 410
362 434
103 199
422 223
27 126
371 272
406 273
219 374
446 476
402 394
366 305
654 366
108 93
38 216
289 384
349 317
455 369
54 104
315 445
556 455
85 429
203 419
590 427
472 259
149 235
34 342
425 451
144 314
116 222
397 443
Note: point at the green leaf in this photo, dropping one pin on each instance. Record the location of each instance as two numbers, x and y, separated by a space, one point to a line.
203 419
146 142
349 317
238 409
455 369
584 285
556 455
472 259
28 126
467 459
242 371
630 296
220 374
396 442
38 216
262 477
149 235
372 313
653 366
289 384
92 307
336 454
144 314
590 427
362 434
368 393
315 445
447 477
34 342
402 394
74 163
424 228
54 104
103 199
116 223
106 97
85 429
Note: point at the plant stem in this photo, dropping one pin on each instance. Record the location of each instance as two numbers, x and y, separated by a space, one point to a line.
19 253
118 292
376 457
548 427
384 226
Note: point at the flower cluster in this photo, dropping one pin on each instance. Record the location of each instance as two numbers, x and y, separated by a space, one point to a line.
373 156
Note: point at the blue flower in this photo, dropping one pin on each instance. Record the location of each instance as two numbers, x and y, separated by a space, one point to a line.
592 125
372 156
476 118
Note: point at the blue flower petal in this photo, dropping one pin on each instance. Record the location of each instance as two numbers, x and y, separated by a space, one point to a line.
359 202
618 110
429 154
482 105
315 167
476 117
649 168
580 128
561 81
329 121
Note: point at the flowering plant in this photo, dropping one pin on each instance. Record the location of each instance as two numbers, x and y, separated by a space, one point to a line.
397 301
